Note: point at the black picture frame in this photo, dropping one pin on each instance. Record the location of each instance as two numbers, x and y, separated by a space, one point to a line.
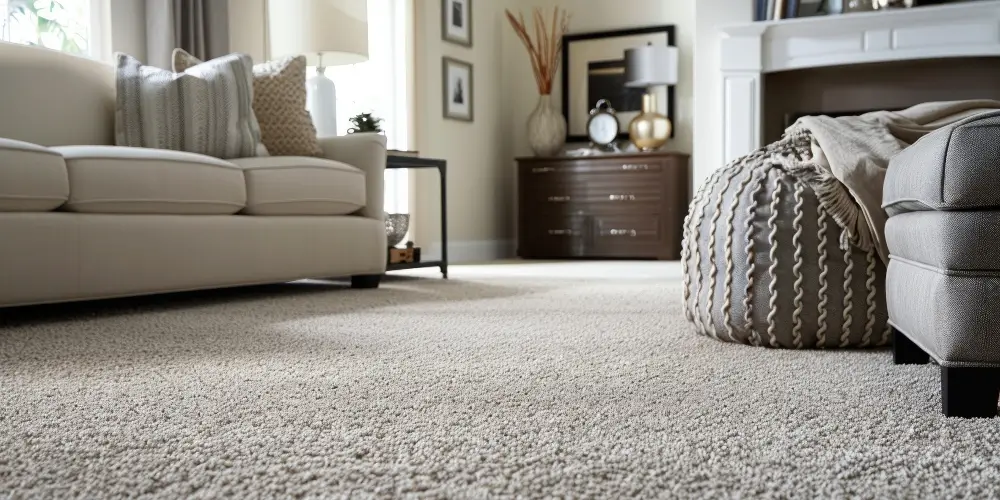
448 93
447 16
569 40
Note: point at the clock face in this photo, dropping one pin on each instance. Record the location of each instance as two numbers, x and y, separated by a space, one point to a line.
602 128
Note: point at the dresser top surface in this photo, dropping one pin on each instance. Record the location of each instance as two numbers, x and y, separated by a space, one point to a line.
609 156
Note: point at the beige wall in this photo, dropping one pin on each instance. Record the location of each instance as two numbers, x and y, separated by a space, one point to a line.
479 173
247 31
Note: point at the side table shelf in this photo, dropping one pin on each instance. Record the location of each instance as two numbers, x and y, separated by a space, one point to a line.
394 162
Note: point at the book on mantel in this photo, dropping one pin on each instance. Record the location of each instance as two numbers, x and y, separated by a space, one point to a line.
770 10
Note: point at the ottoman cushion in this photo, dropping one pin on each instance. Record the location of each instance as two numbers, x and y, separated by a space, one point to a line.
952 168
946 240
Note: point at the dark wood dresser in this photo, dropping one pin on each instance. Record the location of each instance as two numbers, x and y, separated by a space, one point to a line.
626 206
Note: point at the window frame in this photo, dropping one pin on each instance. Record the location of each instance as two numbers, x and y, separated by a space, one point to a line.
98 38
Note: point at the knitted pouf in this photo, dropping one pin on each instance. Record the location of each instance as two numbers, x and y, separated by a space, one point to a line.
765 264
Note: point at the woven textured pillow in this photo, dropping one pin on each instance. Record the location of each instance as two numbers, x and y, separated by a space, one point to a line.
207 109
765 264
279 102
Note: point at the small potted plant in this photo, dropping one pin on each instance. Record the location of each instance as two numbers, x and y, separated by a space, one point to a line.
365 122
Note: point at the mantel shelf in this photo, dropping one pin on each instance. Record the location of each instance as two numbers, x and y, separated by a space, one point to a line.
967 29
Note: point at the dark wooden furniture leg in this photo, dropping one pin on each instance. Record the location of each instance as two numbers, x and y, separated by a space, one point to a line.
970 392
905 352
442 174
366 281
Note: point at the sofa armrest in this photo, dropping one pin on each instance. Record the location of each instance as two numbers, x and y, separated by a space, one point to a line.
366 151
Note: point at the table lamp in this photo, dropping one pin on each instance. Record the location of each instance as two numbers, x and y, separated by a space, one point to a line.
328 33
650 66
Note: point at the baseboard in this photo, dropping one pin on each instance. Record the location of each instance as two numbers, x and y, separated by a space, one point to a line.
471 251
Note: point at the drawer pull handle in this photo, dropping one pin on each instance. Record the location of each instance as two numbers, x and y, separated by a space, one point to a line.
621 197
562 232
623 232
541 170
635 166
558 199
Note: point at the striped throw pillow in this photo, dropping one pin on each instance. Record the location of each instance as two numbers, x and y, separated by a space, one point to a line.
279 101
207 109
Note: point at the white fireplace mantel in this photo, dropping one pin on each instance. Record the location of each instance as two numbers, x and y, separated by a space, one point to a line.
748 51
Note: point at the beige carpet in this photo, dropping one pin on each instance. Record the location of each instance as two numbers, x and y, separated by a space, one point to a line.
578 380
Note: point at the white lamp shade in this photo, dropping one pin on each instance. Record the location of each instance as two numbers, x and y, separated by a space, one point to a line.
337 29
651 65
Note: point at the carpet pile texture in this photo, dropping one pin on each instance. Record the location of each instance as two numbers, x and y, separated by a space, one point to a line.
575 380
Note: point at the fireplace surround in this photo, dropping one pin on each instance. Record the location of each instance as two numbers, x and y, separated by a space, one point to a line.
853 62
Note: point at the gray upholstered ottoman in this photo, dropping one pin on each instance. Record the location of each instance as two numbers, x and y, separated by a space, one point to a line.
942 195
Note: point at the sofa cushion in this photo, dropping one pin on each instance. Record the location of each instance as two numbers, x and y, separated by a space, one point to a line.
122 180
32 178
299 185
952 168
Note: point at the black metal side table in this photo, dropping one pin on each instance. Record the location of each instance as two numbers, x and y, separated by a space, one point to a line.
396 162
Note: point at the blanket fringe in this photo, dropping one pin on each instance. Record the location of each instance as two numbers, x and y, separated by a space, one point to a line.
793 153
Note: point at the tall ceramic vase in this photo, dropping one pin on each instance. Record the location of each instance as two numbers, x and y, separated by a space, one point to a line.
546 128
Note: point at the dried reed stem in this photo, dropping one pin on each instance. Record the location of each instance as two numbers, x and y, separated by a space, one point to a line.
545 48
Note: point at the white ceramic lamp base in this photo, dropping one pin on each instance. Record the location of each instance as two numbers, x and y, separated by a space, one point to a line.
321 101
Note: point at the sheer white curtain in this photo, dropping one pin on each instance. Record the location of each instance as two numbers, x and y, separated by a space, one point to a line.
378 86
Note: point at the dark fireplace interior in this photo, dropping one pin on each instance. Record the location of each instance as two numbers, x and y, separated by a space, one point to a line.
859 88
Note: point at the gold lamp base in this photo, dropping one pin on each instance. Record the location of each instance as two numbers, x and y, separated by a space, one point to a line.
649 130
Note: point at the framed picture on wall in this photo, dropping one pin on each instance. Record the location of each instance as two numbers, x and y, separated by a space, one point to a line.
456 21
456 79
593 68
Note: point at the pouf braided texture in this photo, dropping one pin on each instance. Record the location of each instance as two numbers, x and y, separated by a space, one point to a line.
765 264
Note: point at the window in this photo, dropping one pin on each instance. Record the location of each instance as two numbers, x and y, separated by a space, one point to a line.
66 25
379 86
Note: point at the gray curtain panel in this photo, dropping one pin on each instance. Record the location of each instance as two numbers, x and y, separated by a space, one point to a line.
200 27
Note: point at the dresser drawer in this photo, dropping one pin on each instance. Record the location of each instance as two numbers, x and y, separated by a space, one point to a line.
565 202
628 236
628 228
554 237
585 165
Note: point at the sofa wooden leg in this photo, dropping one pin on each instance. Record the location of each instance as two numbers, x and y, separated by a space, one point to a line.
366 281
905 352
970 392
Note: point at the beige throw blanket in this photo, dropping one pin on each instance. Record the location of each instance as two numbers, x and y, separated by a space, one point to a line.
855 150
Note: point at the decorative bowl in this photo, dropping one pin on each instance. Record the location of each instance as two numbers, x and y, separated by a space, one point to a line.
396 226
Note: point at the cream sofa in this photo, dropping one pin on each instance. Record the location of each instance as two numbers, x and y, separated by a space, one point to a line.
83 219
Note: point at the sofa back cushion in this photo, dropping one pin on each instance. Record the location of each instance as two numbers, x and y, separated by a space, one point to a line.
52 99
